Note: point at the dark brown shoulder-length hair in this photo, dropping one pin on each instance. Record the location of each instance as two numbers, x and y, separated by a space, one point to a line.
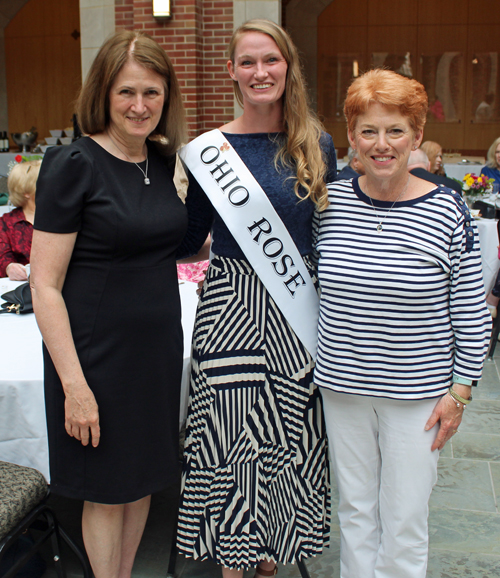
93 101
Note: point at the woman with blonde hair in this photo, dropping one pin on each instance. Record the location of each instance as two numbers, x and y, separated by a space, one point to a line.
256 483
403 330
492 167
16 227
434 153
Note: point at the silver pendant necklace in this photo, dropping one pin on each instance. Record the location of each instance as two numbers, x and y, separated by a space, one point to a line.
380 228
146 180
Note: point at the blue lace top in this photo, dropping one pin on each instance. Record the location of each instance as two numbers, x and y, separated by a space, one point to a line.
257 151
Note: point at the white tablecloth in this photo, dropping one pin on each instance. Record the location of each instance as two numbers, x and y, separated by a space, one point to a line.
459 170
488 237
23 432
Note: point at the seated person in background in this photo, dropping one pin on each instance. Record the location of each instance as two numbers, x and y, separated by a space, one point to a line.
434 153
484 111
16 227
492 167
353 169
419 164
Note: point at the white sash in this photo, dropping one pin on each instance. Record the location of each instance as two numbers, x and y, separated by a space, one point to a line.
260 233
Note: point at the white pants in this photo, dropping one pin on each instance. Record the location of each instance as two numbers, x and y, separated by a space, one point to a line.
385 472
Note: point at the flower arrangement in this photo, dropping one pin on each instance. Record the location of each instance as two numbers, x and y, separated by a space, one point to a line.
477 186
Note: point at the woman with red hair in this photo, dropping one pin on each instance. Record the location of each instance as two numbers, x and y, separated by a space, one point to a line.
403 330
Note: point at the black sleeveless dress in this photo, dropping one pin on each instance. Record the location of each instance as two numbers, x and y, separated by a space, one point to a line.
121 292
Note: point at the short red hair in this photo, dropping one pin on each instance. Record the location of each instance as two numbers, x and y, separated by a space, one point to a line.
389 89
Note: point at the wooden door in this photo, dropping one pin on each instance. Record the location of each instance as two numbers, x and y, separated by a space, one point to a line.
451 47
43 65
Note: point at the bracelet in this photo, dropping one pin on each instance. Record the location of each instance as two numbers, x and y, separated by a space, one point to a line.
458 398
458 404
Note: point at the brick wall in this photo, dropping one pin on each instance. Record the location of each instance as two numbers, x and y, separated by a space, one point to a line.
124 14
196 39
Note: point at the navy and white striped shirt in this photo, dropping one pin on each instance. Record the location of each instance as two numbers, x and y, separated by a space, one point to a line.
401 310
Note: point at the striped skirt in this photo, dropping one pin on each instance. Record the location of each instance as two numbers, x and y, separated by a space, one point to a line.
256 475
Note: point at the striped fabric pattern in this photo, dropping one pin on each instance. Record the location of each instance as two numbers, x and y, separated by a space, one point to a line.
256 476
403 309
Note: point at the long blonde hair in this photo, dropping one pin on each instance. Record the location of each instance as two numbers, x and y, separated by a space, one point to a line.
302 128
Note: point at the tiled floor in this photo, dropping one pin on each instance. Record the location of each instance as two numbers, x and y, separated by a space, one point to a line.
464 522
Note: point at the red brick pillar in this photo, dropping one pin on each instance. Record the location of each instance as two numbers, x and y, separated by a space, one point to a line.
196 39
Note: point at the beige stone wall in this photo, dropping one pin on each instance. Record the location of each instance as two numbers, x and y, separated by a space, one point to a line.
97 22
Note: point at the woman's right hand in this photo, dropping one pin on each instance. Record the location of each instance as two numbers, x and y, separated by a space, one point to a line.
82 415
16 272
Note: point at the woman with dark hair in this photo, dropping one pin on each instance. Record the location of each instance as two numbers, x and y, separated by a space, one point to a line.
256 480
403 330
108 229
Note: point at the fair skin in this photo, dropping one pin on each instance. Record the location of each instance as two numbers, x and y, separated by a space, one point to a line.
358 166
497 155
260 70
111 533
16 271
438 162
384 139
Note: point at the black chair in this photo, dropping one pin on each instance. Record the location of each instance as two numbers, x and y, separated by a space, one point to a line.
23 506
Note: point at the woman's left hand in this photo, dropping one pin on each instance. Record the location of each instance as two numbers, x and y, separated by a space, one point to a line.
449 416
